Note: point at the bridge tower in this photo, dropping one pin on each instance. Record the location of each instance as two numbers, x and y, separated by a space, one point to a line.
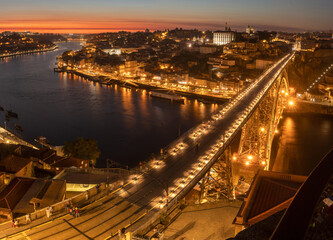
258 133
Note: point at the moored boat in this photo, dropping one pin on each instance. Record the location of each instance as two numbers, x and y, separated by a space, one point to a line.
167 95
18 127
12 114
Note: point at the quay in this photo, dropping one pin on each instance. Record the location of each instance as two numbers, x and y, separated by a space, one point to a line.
28 52
105 80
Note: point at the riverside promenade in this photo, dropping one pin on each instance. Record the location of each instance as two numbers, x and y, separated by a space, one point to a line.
28 52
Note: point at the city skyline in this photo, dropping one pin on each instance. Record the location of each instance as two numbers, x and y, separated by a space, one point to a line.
100 16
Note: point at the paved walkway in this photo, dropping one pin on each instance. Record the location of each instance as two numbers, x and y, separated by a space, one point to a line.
212 221
97 221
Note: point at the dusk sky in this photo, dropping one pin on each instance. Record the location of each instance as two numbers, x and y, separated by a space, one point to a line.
87 16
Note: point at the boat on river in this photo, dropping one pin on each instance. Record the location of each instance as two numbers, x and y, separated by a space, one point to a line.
18 127
167 95
12 114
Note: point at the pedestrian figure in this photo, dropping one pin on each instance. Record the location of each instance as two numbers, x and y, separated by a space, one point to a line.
70 211
47 211
162 152
123 233
77 212
51 210
87 195
140 166
12 223
67 206
16 222
27 218
119 234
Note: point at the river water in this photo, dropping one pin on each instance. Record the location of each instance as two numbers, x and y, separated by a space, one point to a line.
303 140
128 124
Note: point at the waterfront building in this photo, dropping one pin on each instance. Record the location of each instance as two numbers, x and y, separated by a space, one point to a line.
305 45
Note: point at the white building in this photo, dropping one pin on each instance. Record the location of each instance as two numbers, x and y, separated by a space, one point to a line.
113 51
223 37
250 29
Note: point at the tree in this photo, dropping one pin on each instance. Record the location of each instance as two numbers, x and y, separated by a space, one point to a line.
82 148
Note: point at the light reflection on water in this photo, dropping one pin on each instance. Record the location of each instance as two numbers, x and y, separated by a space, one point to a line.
303 140
128 124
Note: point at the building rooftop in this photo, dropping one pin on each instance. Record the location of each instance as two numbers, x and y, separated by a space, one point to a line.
13 192
91 176
20 194
270 192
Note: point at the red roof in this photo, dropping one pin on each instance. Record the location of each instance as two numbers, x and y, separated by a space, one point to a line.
14 191
270 192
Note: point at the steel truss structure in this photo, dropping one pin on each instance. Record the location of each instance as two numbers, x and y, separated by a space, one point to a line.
254 147
258 133
217 182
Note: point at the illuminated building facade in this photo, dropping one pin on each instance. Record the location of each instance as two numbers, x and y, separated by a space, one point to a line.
250 30
223 37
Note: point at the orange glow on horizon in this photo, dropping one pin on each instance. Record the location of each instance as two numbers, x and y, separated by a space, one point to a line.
70 27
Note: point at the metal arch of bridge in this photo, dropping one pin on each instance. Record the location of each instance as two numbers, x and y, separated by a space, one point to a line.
256 140
258 132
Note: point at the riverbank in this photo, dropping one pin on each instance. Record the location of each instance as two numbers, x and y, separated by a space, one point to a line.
28 52
307 107
104 80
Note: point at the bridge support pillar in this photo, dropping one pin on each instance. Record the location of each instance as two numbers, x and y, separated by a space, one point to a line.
217 183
